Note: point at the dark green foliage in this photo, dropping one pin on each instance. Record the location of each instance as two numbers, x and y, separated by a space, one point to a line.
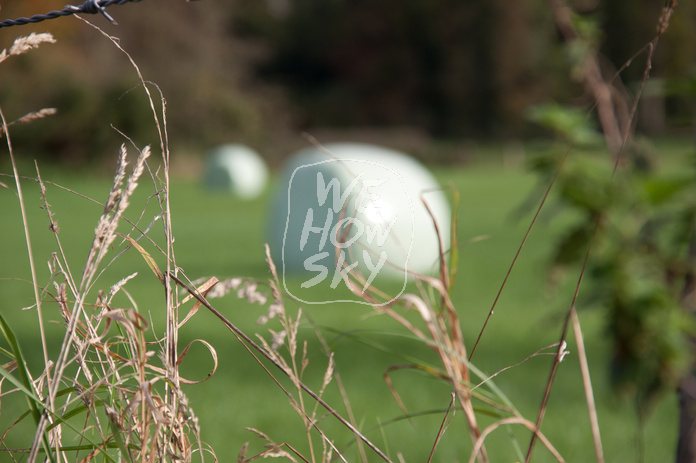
571 124
450 67
640 226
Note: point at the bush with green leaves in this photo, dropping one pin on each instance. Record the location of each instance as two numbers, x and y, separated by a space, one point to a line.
635 235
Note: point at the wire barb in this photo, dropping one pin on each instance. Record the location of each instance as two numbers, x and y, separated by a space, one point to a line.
92 7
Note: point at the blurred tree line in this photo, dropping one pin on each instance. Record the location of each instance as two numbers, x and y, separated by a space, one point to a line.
261 71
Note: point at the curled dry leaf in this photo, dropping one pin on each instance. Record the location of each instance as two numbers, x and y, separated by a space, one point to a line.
213 354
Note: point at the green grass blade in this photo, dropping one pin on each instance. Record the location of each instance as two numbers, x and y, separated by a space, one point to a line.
24 383
28 393
454 242
116 432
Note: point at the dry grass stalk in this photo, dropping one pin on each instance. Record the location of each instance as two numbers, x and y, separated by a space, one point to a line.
478 445
441 324
41 435
116 203
171 267
443 335
104 364
294 369
446 420
145 419
279 362
587 385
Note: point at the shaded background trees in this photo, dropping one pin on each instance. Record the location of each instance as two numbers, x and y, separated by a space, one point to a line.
260 72
457 69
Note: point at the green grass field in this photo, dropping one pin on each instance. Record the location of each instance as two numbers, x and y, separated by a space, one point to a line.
221 236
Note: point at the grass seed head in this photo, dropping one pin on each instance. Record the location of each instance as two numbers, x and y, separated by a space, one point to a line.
22 45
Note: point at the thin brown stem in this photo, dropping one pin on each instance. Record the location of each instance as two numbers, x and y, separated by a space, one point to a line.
560 353
519 251
443 426
250 342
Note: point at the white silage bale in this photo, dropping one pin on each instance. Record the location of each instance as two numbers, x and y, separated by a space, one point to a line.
236 168
356 204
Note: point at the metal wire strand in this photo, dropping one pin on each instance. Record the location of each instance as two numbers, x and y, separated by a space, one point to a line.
88 7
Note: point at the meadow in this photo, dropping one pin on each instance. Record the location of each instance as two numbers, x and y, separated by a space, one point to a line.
218 235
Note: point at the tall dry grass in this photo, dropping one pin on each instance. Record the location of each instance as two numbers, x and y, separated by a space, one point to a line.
114 386
112 392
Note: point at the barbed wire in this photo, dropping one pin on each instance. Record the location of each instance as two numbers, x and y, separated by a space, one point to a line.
88 7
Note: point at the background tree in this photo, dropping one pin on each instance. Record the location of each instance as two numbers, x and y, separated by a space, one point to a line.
454 68
259 72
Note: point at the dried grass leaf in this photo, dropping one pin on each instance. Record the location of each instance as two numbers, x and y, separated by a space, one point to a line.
213 353
149 260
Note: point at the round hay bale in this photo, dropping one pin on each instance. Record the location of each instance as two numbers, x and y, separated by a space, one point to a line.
237 169
357 205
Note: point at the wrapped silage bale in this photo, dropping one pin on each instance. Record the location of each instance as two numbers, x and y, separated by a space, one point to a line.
356 206
237 169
